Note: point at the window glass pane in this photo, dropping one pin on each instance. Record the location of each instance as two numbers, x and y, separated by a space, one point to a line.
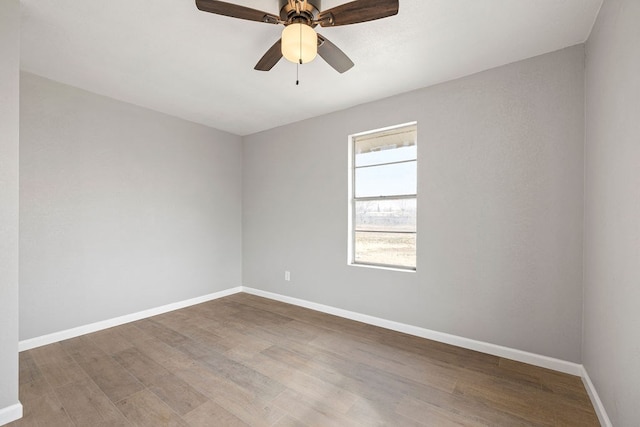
386 180
386 249
389 155
392 145
386 215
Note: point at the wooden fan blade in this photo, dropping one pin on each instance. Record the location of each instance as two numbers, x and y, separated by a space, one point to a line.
236 11
333 55
270 58
358 11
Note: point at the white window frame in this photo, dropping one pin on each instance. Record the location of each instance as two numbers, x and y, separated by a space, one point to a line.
352 202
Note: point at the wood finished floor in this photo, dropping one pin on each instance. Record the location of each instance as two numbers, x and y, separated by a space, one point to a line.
245 360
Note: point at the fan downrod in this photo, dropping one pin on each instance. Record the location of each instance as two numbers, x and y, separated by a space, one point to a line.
300 11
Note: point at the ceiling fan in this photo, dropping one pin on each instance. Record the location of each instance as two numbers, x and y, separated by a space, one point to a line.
299 42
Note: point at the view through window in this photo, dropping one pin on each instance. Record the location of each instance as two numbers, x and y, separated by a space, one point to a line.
384 197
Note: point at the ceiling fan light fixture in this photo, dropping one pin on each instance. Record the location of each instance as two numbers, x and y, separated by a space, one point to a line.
299 43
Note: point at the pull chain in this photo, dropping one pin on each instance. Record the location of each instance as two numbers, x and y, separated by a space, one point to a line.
299 60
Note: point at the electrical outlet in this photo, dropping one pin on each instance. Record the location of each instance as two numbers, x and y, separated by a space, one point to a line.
287 276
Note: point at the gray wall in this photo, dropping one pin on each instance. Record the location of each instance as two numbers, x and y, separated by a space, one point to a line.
9 109
121 208
611 341
500 208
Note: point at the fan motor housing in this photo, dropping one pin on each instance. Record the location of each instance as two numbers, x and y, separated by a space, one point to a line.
309 10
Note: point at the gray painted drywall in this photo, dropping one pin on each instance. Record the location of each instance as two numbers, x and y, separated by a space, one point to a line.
9 110
611 340
500 208
121 208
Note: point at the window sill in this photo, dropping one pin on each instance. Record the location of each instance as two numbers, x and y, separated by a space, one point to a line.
383 267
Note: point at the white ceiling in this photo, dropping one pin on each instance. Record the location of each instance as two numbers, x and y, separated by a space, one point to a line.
169 56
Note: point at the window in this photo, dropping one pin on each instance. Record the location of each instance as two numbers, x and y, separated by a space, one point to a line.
383 198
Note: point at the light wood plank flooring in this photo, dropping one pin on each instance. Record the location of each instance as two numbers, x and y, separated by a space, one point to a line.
245 360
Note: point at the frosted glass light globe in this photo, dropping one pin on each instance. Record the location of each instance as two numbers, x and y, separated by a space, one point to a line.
299 41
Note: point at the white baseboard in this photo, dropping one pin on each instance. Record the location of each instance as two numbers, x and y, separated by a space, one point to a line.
109 323
481 346
10 413
595 399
